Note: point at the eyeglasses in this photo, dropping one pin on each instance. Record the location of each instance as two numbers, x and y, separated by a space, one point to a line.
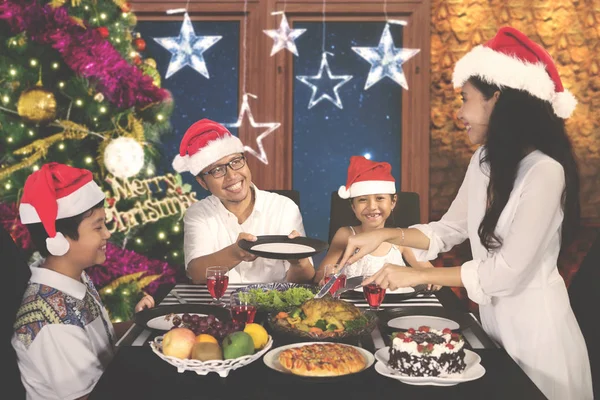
221 170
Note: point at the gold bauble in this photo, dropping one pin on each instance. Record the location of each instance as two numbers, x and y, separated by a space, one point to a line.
151 62
37 105
153 73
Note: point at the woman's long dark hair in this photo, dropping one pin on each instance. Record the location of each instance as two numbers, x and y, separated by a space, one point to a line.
519 123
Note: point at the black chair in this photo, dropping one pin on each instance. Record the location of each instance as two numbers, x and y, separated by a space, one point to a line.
291 194
584 293
15 276
406 212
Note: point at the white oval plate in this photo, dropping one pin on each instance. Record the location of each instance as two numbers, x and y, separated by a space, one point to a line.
271 359
473 371
162 324
401 290
415 321
283 248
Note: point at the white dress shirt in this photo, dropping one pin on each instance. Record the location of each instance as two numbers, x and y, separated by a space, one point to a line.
63 336
522 298
210 227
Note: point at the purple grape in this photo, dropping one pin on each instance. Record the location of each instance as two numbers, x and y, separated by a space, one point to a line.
203 330
203 324
217 325
176 321
186 318
195 318
210 319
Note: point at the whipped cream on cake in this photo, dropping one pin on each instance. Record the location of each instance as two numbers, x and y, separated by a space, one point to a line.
427 352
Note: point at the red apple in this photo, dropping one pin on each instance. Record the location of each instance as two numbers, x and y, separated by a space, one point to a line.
178 342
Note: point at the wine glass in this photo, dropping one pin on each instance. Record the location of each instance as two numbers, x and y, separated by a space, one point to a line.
330 270
217 279
374 295
242 311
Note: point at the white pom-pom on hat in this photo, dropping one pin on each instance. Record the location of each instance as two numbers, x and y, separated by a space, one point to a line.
343 192
564 104
180 164
58 245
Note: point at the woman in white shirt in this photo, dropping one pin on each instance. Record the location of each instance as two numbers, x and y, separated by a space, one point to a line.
518 203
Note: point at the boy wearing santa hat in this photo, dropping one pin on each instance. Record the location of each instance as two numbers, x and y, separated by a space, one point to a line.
63 335
236 210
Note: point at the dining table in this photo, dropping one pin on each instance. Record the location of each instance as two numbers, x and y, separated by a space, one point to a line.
136 372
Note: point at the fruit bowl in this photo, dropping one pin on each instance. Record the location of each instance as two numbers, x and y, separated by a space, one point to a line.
221 367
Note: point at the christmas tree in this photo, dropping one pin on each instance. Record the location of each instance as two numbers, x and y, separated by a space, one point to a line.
77 88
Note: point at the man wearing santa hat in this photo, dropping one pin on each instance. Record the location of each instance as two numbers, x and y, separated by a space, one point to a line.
236 210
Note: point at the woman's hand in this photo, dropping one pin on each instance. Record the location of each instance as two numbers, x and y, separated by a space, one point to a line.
362 244
146 302
394 276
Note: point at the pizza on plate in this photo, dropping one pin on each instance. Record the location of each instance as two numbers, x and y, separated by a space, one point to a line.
322 359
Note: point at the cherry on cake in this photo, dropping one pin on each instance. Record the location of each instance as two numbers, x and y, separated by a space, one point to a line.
427 352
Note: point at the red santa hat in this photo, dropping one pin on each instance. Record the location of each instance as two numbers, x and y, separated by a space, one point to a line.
367 177
513 60
57 191
204 143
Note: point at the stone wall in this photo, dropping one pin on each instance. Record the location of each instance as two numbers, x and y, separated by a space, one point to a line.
569 30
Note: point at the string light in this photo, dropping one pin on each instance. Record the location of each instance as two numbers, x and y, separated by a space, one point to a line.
5 99
22 125
79 102
33 62
88 160
35 168
13 72
8 186
160 117
124 15
149 171
94 19
176 228
108 290
10 139
31 133
102 16
61 146
118 40
61 84
175 254
367 156
125 292
117 320
55 65
102 110
138 241
161 235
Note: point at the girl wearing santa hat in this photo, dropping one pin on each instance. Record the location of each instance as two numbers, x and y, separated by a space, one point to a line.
518 204
371 189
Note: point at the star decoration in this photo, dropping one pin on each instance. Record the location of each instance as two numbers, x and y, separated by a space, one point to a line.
284 37
327 79
187 48
271 126
386 60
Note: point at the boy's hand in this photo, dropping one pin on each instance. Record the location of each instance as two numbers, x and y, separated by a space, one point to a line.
146 302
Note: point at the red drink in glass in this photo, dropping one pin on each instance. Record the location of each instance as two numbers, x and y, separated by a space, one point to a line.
340 283
243 314
217 284
374 295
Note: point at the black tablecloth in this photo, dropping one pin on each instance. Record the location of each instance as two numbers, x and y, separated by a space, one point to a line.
137 373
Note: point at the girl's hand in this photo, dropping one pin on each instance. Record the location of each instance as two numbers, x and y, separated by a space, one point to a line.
146 302
393 277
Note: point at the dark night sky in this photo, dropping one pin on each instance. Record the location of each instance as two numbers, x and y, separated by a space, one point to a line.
325 137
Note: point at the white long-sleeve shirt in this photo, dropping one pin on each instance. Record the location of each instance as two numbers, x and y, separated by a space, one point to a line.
524 304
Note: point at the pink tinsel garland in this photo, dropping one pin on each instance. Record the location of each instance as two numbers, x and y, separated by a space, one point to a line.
121 262
84 51
9 219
